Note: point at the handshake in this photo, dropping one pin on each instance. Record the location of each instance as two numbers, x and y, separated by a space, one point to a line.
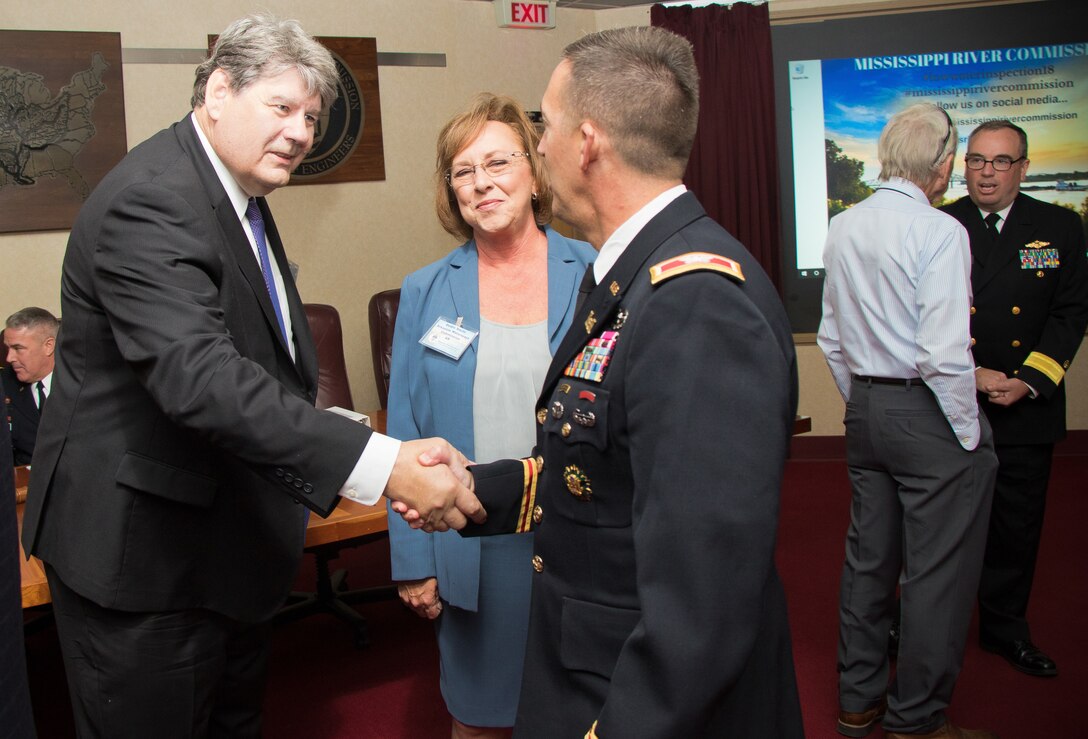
431 488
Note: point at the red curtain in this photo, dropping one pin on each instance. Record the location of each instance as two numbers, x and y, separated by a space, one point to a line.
734 165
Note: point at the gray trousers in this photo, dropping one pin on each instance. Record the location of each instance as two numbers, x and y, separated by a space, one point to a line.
918 517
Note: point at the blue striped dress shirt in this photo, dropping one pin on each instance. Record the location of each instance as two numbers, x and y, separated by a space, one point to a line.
897 300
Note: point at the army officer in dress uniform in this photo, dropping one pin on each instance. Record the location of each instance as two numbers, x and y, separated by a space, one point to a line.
1029 275
663 428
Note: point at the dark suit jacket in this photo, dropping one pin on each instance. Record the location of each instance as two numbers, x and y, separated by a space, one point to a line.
1030 310
179 434
15 716
656 609
21 413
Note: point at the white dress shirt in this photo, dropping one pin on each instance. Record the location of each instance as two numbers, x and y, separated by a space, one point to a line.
615 244
47 387
368 479
897 299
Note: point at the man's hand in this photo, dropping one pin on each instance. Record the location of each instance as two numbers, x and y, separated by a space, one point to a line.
987 380
421 596
428 481
1008 392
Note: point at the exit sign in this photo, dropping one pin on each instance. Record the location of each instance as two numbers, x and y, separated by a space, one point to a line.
525 13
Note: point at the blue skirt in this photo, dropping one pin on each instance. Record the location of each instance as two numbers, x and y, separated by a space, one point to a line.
482 653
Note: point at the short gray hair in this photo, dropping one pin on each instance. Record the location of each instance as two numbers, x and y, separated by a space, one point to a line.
32 318
641 86
260 46
915 142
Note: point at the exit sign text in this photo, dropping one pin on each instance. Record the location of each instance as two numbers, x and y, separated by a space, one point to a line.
525 13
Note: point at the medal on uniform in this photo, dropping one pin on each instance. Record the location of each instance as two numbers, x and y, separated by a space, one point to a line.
1036 256
592 361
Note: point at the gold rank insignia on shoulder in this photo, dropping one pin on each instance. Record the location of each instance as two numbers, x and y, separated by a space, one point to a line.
692 261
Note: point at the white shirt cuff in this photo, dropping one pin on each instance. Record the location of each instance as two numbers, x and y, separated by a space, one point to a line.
367 481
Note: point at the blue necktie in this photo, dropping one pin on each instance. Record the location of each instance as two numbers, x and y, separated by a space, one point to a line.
256 222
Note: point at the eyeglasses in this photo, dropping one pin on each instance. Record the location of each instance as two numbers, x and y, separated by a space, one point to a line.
465 175
1000 164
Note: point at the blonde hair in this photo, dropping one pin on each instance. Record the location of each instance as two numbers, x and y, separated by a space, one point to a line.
460 131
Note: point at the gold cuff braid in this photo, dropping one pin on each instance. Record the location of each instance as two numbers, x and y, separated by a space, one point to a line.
1041 362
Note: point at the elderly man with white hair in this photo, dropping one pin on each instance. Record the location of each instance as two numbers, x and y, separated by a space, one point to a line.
895 333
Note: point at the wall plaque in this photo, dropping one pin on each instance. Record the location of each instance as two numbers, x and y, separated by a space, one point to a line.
62 124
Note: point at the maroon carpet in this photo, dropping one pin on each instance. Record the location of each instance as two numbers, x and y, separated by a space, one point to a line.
321 687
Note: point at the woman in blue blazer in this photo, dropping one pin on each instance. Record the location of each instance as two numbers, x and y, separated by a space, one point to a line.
474 335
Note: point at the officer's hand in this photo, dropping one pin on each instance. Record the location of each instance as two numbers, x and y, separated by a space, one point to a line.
1008 392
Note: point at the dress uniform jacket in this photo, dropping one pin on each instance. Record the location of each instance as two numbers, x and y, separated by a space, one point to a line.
180 432
653 492
21 413
1030 310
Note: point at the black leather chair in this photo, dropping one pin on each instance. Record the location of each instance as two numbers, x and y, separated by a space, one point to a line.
383 318
332 595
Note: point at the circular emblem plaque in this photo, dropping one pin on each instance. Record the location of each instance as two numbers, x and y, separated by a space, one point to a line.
338 131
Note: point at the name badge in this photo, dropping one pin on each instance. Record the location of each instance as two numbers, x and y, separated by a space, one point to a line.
448 338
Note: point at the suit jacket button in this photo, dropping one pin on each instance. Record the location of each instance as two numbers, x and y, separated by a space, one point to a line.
1016 342
307 488
298 484
538 563
538 514
541 415
565 430
279 472
1016 310
539 463
974 310
972 341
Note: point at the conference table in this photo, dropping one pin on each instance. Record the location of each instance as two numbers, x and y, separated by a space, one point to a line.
348 521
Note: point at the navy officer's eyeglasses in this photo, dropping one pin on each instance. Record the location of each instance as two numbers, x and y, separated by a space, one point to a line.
999 163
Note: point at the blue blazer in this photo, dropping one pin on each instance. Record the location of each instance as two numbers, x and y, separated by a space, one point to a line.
431 394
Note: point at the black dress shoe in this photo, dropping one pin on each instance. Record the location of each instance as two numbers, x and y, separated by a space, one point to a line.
1024 656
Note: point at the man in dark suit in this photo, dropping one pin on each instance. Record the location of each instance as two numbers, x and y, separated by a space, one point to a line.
181 431
1029 276
30 336
664 424
15 715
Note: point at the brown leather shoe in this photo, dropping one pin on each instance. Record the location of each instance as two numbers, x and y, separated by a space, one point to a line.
860 724
948 731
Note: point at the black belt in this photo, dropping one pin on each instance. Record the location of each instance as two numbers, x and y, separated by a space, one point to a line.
904 381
